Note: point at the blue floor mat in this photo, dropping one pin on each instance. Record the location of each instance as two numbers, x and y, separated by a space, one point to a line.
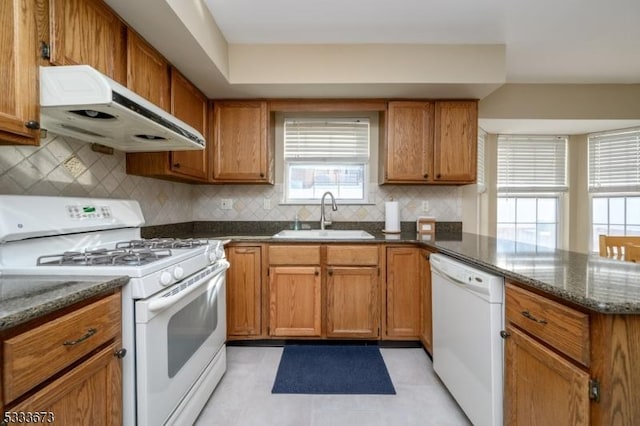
332 369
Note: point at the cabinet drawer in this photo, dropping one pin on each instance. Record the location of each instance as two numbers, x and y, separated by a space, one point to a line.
352 255
294 255
564 328
35 355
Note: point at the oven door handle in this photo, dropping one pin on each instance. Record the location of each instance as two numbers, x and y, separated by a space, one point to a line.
217 273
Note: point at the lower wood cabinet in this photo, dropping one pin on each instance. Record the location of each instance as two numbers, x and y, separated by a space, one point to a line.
244 292
568 366
294 301
352 302
66 365
426 322
542 387
89 394
403 293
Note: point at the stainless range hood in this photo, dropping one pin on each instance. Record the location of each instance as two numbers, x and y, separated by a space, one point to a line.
80 102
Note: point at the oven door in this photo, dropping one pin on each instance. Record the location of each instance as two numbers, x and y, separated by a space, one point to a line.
178 333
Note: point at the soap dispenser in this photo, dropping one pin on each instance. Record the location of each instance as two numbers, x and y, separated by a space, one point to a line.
296 223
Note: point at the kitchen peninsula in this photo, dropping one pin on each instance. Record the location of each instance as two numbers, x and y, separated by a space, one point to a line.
584 347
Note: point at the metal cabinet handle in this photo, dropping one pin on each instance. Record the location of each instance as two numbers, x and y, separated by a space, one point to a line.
176 165
32 124
316 272
120 353
330 272
90 332
426 175
528 315
504 334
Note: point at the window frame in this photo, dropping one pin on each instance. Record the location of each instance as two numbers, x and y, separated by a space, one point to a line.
558 191
558 196
346 161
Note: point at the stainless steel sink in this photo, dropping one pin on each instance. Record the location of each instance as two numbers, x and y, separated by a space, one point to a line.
324 234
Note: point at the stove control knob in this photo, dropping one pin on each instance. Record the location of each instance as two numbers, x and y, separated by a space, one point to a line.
178 272
165 278
213 256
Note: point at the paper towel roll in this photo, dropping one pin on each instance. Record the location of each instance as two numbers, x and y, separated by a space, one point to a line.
391 216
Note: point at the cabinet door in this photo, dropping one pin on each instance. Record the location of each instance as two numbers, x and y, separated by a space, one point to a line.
243 291
541 387
88 32
455 141
147 71
295 306
19 102
91 393
189 105
352 301
426 322
241 151
409 143
403 293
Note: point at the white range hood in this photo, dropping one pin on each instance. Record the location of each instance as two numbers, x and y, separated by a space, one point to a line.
80 102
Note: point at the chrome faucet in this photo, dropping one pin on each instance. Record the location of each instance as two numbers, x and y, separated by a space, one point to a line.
323 221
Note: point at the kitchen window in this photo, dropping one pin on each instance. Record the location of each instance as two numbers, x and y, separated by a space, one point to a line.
532 180
614 183
326 154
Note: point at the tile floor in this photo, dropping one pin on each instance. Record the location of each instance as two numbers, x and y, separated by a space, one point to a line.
244 398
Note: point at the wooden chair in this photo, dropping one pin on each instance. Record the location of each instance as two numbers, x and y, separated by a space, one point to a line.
614 246
632 252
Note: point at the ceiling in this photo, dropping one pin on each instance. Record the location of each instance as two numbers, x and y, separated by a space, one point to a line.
396 49
547 41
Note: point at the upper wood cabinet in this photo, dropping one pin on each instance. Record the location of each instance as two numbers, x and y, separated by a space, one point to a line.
409 143
455 140
430 142
88 32
189 105
147 71
241 150
403 293
244 287
19 101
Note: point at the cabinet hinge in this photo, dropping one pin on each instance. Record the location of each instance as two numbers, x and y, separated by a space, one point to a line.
594 390
45 50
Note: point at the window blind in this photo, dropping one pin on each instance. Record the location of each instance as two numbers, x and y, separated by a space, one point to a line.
481 177
326 139
532 163
614 161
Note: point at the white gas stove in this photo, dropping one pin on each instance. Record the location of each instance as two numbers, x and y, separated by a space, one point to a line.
173 308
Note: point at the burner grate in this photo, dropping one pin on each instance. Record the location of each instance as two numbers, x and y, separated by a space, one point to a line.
105 257
158 243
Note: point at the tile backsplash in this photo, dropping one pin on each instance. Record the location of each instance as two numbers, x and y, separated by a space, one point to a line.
64 166
445 203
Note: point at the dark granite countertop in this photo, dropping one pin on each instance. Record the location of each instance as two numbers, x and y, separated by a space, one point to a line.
590 281
26 297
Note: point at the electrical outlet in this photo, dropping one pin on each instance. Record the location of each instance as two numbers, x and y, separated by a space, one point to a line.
226 204
425 206
266 203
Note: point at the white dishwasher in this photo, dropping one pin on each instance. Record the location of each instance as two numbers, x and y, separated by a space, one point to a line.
468 316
